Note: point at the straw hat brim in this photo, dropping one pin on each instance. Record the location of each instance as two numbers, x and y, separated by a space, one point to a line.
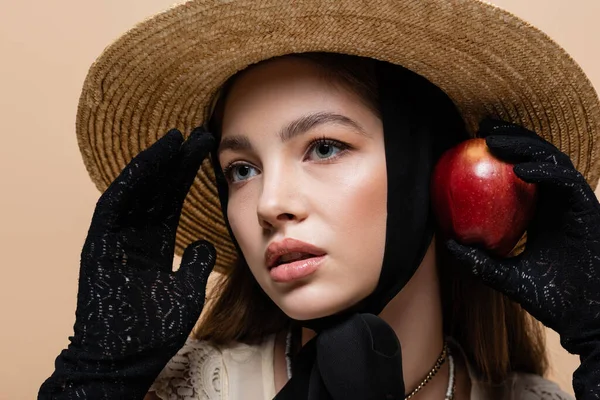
164 74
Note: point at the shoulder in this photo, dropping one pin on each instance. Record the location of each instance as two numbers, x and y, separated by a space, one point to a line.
525 386
195 372
202 370
534 387
518 386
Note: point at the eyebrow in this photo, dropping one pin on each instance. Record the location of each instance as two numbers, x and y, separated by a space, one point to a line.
295 128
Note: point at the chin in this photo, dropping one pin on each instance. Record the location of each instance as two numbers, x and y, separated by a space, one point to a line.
311 302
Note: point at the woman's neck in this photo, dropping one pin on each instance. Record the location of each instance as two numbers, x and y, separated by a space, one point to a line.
415 314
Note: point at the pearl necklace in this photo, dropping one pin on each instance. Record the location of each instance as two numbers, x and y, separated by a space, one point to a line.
430 375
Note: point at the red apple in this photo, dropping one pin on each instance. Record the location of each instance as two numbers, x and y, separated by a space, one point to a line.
479 200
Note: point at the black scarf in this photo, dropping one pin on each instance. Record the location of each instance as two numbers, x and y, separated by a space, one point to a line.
356 355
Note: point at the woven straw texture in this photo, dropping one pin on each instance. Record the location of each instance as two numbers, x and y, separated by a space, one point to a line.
164 74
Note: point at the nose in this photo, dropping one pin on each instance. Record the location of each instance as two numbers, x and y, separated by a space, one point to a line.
281 200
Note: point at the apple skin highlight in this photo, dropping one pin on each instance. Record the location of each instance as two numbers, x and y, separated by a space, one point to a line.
479 200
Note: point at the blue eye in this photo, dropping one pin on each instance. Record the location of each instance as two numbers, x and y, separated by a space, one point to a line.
239 172
327 148
323 149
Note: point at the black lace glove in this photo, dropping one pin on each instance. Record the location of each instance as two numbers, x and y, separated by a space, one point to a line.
133 312
557 277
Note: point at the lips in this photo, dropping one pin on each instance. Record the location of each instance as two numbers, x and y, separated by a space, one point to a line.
295 256
289 250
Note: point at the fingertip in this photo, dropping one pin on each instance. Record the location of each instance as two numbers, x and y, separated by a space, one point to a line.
203 252
506 148
201 140
492 141
495 126
201 132
166 147
206 248
527 171
466 255
198 260
534 172
487 126
454 246
174 135
519 170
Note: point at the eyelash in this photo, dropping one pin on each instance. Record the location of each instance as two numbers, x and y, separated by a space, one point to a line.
344 147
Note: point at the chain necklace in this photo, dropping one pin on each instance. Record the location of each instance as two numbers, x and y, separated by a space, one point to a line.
436 367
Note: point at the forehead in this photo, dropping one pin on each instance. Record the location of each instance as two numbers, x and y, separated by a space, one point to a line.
288 77
275 89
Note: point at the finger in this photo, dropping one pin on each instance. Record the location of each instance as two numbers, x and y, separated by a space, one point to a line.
567 181
193 152
492 126
139 172
197 263
158 156
517 149
497 274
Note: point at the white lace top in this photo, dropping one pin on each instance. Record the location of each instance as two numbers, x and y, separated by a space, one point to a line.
202 371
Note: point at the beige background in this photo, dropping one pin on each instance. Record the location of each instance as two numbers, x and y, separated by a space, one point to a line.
46 197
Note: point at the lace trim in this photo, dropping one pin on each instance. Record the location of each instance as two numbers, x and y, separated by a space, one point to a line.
534 387
194 373
197 372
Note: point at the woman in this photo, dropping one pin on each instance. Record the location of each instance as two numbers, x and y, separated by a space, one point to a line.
365 209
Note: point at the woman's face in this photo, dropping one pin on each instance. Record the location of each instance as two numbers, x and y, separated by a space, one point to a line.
305 160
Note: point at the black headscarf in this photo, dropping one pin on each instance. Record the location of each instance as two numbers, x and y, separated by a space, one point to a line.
357 355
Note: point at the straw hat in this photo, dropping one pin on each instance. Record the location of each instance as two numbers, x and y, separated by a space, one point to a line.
165 72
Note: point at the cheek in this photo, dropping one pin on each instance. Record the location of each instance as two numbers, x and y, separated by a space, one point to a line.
357 213
241 213
360 202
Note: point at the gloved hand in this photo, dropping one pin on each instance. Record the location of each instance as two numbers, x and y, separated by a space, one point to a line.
133 312
557 277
